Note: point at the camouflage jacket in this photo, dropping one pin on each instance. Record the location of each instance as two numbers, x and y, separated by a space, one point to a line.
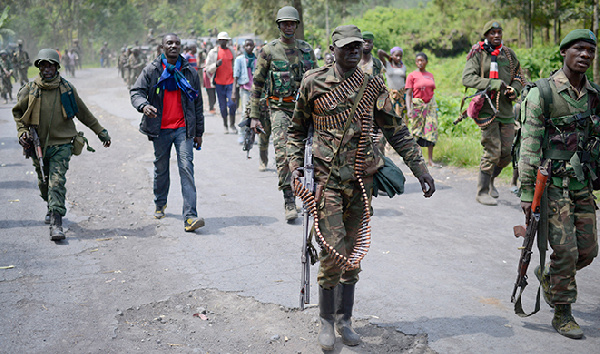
6 68
560 130
22 59
373 67
507 68
279 70
329 123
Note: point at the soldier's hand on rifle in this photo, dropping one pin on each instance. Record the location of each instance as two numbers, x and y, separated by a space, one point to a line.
526 206
256 125
297 174
427 185
150 111
24 140
497 85
510 93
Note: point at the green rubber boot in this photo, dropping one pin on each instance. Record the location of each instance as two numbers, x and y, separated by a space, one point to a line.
564 323
483 190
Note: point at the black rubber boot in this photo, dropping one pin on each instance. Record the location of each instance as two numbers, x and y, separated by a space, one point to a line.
493 191
290 205
56 230
326 304
344 302
232 128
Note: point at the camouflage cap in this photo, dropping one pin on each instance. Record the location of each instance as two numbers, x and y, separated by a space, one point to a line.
343 35
368 35
578 35
489 25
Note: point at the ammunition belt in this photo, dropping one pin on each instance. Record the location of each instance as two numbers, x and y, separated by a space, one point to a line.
331 99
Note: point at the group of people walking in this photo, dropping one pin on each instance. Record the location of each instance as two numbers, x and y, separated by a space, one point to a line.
348 111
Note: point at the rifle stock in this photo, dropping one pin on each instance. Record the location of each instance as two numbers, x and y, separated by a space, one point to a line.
530 232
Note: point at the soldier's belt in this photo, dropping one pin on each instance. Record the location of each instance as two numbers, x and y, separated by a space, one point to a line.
288 99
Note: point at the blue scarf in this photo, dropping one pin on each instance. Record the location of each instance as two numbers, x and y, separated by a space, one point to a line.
172 79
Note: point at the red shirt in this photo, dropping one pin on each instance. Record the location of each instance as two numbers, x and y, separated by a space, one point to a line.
172 113
422 85
224 75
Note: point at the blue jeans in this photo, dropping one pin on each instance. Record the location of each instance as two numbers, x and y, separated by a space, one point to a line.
225 101
185 157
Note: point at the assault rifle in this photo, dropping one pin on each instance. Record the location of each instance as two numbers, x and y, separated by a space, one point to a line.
37 150
309 254
529 234
249 136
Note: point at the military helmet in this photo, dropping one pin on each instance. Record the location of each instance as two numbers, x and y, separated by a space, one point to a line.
3 52
20 42
49 55
287 13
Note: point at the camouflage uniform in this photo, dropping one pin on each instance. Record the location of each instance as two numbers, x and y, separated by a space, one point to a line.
6 70
341 205
571 207
279 70
135 65
23 64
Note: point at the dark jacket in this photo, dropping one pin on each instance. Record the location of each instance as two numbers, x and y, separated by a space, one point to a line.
144 93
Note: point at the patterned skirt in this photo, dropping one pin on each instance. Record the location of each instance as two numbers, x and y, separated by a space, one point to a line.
424 122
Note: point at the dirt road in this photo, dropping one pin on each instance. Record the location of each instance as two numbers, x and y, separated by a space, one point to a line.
438 276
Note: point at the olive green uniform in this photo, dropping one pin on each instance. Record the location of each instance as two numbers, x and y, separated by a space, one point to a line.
341 204
571 206
23 64
279 70
6 70
497 137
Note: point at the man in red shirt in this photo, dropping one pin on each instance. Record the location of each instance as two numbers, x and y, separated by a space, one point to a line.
220 63
166 92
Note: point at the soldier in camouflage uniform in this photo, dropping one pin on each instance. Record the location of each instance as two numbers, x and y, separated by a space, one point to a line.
136 64
568 134
493 66
280 66
23 63
344 164
6 71
56 129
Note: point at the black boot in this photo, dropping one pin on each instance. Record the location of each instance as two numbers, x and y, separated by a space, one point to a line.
493 191
56 230
326 303
483 190
232 128
344 301
290 205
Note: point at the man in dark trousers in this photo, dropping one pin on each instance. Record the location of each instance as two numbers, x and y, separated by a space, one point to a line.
167 93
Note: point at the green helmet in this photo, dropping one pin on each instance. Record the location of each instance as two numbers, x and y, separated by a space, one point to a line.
287 13
49 55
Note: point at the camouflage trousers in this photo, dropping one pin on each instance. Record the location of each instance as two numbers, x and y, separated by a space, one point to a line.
496 139
263 139
573 238
56 164
22 73
280 121
340 212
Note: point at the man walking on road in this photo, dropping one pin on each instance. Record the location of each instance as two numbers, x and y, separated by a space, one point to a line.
560 123
493 67
22 62
280 67
220 63
167 93
343 104
243 74
48 105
